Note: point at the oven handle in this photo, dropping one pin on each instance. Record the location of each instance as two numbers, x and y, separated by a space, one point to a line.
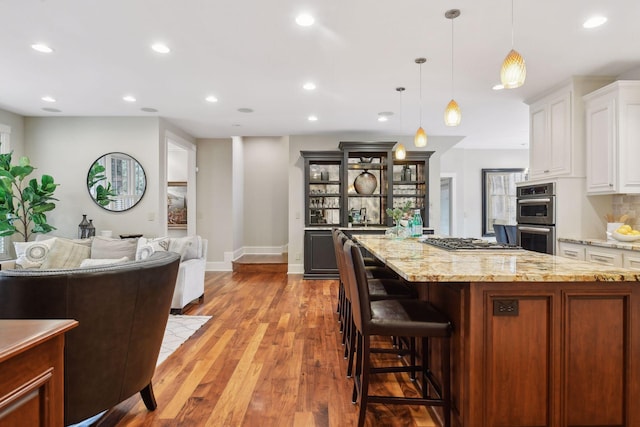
547 200
534 229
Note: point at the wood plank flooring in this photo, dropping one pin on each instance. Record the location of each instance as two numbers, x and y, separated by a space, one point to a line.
270 356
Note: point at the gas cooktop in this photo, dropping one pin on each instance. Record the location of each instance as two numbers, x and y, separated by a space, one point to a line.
462 243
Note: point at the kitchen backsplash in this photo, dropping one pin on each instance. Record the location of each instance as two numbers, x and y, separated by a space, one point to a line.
627 204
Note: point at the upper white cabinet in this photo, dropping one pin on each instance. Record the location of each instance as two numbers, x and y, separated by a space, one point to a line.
550 136
613 138
556 123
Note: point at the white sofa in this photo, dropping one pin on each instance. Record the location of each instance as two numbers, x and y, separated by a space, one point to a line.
52 252
190 281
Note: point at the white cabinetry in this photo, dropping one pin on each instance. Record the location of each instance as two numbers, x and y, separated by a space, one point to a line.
571 250
611 256
604 256
550 133
612 138
556 129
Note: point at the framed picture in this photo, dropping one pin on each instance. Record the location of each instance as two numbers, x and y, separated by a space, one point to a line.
499 197
177 204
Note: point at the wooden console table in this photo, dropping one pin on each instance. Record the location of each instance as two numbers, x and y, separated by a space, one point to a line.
32 372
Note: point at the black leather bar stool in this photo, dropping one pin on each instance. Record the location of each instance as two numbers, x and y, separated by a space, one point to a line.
396 317
378 289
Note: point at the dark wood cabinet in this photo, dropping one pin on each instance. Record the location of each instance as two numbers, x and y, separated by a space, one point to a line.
355 185
319 256
32 373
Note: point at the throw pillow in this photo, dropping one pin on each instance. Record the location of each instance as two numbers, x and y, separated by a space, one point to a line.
146 247
89 262
104 247
188 247
32 254
65 254
180 245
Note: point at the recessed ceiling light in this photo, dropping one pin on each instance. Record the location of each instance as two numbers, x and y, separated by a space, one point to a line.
236 125
149 110
129 98
245 110
305 20
52 110
211 98
383 118
309 86
594 21
48 99
40 47
312 118
160 48
498 87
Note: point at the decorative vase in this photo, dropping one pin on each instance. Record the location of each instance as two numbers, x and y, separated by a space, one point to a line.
365 183
91 229
82 228
406 173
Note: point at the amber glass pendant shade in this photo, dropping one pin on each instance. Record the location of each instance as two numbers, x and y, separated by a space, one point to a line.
401 152
513 71
452 114
420 140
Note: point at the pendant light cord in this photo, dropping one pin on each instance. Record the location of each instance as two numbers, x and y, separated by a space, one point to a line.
452 59
512 32
420 94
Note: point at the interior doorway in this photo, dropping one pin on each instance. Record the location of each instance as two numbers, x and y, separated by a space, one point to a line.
447 224
180 187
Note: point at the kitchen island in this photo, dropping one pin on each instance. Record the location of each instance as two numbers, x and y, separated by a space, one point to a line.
538 340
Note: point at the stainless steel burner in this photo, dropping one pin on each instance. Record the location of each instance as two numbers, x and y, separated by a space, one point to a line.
461 243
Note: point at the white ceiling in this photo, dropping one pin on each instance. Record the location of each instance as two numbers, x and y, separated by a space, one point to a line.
251 54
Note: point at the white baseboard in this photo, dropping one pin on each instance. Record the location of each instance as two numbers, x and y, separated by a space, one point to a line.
219 266
259 250
295 269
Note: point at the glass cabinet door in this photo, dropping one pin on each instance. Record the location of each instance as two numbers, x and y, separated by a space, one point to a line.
323 189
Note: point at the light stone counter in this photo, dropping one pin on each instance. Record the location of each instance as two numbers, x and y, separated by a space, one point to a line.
420 262
614 244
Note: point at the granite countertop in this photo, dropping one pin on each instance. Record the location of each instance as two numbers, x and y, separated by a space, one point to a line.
614 244
419 262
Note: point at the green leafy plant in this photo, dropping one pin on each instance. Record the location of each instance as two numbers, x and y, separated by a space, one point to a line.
398 213
103 194
24 203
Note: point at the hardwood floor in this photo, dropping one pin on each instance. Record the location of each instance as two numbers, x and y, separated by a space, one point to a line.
270 356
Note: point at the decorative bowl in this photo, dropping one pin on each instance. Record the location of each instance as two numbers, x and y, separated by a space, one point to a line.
625 237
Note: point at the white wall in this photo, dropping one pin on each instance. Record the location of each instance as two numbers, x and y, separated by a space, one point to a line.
266 203
16 123
237 196
214 194
467 166
65 148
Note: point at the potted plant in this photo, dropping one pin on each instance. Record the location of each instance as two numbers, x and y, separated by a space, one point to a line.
24 203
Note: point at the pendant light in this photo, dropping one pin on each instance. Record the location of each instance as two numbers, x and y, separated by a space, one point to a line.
420 140
400 152
514 70
452 114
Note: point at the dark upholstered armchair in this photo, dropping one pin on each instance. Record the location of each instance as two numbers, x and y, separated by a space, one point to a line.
122 311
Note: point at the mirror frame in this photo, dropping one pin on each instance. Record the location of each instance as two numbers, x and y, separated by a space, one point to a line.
144 175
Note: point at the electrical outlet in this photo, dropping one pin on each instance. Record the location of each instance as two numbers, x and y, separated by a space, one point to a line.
298 256
151 216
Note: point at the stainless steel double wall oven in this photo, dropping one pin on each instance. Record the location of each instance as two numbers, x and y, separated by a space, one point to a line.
536 217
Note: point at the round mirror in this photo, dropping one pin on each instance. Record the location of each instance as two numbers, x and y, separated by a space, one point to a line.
116 182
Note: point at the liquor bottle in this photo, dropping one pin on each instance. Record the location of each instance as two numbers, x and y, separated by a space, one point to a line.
416 224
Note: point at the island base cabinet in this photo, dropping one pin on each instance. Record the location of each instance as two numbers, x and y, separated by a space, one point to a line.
542 354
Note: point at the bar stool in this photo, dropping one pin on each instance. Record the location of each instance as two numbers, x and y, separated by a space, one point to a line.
378 289
396 317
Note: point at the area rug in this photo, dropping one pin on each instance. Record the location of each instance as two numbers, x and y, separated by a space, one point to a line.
179 329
